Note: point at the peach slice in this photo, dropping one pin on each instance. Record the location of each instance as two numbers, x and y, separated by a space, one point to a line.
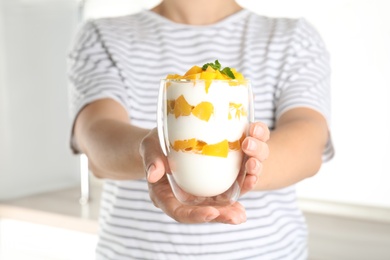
208 76
236 145
194 70
182 108
184 145
171 106
220 149
192 76
203 111
239 110
173 76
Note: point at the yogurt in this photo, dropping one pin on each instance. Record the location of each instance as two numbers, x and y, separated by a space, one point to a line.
201 163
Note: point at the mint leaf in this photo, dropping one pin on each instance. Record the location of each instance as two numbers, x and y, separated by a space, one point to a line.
228 72
204 67
217 66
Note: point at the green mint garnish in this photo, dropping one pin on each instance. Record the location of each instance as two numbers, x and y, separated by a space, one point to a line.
217 66
228 72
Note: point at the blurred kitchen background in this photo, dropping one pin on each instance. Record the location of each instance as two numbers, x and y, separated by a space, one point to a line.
49 202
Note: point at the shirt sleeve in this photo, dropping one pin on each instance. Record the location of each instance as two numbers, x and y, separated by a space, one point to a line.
306 77
92 73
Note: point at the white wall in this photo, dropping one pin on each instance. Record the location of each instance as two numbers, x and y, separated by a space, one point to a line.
357 34
100 8
2 86
34 154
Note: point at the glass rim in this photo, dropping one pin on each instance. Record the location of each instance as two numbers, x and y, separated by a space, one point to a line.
203 80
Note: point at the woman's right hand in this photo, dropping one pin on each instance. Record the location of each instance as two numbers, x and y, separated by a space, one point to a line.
156 165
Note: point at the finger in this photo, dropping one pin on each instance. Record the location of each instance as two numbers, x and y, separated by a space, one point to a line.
253 171
234 214
185 213
253 166
163 198
248 184
195 214
156 170
260 131
253 147
155 163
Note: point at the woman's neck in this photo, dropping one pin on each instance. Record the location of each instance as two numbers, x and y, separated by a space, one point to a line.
196 12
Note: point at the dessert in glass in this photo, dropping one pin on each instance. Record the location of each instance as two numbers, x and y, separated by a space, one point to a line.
203 118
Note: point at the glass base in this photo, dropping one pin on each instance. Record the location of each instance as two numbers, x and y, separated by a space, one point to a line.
226 198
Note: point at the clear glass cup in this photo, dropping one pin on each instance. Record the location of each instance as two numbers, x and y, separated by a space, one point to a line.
201 126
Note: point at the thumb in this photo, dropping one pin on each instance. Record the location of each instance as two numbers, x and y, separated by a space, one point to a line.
155 163
155 170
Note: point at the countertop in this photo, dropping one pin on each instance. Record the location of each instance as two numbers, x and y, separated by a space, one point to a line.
58 208
337 231
63 209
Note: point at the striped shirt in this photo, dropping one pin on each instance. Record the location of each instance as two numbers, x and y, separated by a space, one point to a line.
124 58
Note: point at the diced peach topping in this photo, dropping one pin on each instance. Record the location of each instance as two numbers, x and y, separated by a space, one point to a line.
192 76
219 75
194 70
209 72
171 106
238 109
235 145
199 146
210 69
182 108
208 76
203 111
173 76
220 149
184 145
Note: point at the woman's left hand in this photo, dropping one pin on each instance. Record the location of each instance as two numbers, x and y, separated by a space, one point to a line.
256 148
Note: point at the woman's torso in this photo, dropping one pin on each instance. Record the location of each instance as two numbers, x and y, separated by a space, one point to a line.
145 48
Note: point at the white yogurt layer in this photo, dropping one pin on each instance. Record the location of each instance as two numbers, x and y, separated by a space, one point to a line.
197 174
204 176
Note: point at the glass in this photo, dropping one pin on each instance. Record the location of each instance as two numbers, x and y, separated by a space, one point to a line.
201 125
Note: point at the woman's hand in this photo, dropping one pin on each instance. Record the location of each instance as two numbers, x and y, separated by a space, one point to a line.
161 194
256 148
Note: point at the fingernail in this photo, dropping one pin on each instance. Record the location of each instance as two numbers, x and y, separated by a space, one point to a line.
258 131
251 145
255 179
254 165
151 168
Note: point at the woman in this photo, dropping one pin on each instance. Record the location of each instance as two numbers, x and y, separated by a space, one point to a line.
115 68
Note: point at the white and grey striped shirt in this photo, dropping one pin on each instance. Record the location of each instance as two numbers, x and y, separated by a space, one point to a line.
124 58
